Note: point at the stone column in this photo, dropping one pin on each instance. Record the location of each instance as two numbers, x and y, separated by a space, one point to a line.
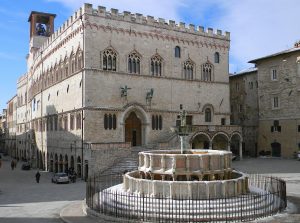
163 163
210 144
241 150
228 147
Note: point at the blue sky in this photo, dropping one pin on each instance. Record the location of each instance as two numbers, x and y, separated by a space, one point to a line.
258 27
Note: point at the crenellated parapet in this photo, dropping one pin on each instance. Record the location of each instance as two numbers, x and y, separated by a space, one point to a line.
151 21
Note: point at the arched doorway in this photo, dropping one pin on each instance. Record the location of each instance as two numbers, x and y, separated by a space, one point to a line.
72 162
236 145
220 141
56 163
66 162
51 162
133 130
200 141
61 163
276 149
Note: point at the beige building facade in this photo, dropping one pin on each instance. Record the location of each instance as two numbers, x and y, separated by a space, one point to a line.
279 103
244 107
106 77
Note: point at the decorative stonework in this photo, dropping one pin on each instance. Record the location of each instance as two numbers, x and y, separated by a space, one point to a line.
197 174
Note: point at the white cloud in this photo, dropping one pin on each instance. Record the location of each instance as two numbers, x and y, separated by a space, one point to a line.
259 27
157 8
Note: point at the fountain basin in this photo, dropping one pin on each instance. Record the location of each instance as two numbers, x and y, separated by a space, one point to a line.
186 189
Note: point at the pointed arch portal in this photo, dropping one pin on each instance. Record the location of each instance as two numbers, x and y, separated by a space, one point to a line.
133 130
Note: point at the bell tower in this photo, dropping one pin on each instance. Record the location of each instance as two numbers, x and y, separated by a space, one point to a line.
41 24
41 27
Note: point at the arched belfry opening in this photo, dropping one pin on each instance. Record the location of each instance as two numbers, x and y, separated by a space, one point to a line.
133 129
41 24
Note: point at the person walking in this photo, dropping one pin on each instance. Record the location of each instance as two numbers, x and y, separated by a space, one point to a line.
12 164
0 163
37 177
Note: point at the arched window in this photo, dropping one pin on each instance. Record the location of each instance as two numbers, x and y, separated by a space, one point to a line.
207 72
110 121
114 121
207 115
72 62
153 122
66 69
177 52
134 63
188 70
160 123
156 65
66 123
217 57
79 60
71 122
157 122
78 121
109 60
105 121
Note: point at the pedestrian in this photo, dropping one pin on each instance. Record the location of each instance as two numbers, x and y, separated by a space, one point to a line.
12 164
37 177
0 163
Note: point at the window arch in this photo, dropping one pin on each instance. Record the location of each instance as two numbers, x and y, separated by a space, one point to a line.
110 121
188 70
156 65
65 72
109 60
134 62
217 57
73 63
79 59
207 72
105 121
157 122
177 52
208 115
78 121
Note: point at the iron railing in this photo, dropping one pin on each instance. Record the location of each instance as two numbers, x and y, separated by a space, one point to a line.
267 197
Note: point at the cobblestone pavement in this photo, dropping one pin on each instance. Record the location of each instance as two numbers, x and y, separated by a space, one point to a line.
287 169
23 200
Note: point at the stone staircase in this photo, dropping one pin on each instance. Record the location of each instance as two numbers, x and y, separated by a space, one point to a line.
128 163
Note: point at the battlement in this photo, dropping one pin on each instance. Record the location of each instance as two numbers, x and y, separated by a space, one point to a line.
136 18
150 20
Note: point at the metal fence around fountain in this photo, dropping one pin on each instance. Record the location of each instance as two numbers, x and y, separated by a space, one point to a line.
268 199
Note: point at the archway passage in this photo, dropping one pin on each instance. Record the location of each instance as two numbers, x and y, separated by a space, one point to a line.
201 141
276 149
133 130
220 142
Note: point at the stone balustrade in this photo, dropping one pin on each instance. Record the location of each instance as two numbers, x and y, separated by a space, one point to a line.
200 163
187 189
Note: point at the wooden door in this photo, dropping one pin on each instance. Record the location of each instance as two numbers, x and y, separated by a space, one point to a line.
133 130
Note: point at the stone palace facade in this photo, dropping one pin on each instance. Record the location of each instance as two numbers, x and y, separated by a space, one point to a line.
109 78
